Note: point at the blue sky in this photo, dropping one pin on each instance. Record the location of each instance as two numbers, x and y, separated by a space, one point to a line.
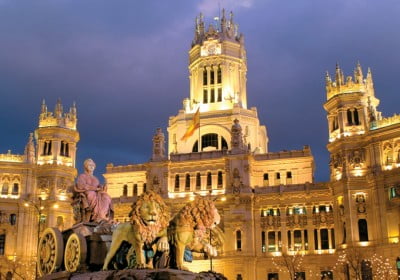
125 64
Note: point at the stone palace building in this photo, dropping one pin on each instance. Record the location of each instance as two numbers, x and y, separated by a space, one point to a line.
275 219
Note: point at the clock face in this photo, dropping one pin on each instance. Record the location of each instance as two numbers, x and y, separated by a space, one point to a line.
211 49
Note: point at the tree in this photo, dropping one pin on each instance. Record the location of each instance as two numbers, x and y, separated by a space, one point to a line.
292 262
361 263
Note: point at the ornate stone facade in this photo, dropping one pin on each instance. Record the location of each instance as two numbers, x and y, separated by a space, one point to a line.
35 188
268 201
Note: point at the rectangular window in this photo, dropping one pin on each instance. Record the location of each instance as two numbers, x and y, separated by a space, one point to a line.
263 245
212 97
2 244
271 241
297 240
205 96
279 241
219 76
209 180
327 274
300 275
324 239
288 178
198 181
177 183
220 179
238 240
187 183
305 239
278 175
212 80
316 239
273 276
333 238
219 95
265 180
289 238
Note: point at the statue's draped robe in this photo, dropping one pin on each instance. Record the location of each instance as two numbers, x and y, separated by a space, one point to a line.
99 201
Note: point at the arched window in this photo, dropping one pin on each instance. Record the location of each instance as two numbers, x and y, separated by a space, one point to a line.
335 124
2 244
263 245
209 180
219 75
177 183
363 230
355 117
238 240
209 140
220 179
62 148
195 148
44 148
212 80
187 182
204 77
4 189
349 117
224 144
135 190
15 189
198 181
13 219
125 190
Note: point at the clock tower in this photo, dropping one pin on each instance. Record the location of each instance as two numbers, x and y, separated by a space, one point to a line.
217 73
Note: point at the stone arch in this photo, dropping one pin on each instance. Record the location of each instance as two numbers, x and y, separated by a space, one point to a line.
222 131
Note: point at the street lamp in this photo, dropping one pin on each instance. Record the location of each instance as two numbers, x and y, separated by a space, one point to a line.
37 205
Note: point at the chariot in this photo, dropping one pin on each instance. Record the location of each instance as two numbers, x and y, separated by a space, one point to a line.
79 248
83 247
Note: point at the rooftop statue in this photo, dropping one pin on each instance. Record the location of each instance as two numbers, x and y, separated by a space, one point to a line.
91 201
187 230
146 232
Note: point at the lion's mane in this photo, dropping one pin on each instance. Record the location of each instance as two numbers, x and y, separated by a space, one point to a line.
198 214
150 232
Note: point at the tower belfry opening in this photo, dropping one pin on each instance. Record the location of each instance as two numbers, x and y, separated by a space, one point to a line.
217 76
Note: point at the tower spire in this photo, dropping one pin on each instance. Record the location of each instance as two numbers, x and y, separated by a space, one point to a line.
58 111
358 75
43 109
338 75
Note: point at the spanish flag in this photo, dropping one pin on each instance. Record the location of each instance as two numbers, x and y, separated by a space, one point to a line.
193 126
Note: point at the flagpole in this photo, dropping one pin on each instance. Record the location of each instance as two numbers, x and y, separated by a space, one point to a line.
198 142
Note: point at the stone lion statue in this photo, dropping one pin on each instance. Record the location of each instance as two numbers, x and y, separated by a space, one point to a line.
146 231
187 230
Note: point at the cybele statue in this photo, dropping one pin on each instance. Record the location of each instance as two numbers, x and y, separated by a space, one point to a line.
150 239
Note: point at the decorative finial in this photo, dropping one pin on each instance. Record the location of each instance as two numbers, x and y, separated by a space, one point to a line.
43 109
59 109
358 75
